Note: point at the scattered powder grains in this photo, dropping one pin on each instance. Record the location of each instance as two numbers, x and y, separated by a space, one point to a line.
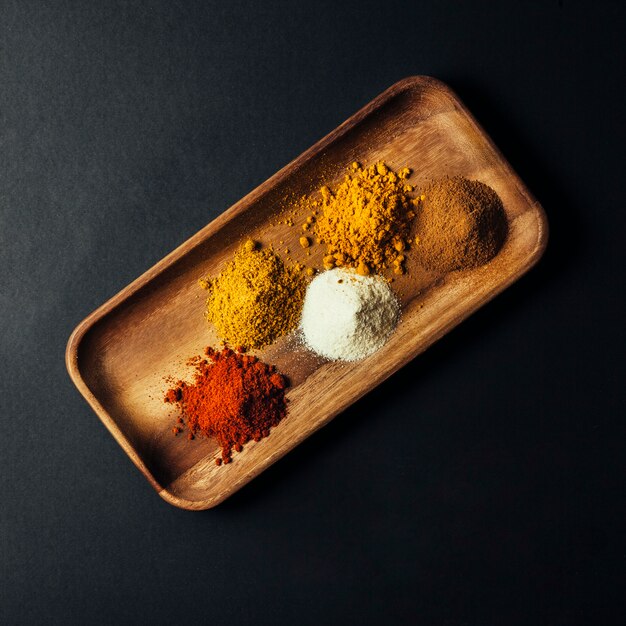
233 398
461 224
255 299
365 221
347 316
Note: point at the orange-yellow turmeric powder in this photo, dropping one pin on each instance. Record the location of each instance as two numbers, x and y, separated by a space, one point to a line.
365 221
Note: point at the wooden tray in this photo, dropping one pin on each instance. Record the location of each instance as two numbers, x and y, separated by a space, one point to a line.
119 355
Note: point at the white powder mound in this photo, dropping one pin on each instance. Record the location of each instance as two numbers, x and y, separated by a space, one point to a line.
347 316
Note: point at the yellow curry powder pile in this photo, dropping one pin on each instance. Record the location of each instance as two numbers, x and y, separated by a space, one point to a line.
255 299
365 221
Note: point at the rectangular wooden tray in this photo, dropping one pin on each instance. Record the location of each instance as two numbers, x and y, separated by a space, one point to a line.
119 355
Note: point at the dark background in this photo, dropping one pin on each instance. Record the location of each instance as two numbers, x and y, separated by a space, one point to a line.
480 485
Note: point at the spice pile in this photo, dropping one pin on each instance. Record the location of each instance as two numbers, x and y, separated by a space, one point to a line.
461 224
347 316
255 299
234 398
365 222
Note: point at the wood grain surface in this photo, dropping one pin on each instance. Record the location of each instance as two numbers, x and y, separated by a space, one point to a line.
119 356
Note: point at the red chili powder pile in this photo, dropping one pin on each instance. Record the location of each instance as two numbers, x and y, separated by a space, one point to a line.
234 398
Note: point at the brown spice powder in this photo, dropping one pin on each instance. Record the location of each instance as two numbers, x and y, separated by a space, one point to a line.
460 224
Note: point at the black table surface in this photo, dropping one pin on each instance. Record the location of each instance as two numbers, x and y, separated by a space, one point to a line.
480 485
